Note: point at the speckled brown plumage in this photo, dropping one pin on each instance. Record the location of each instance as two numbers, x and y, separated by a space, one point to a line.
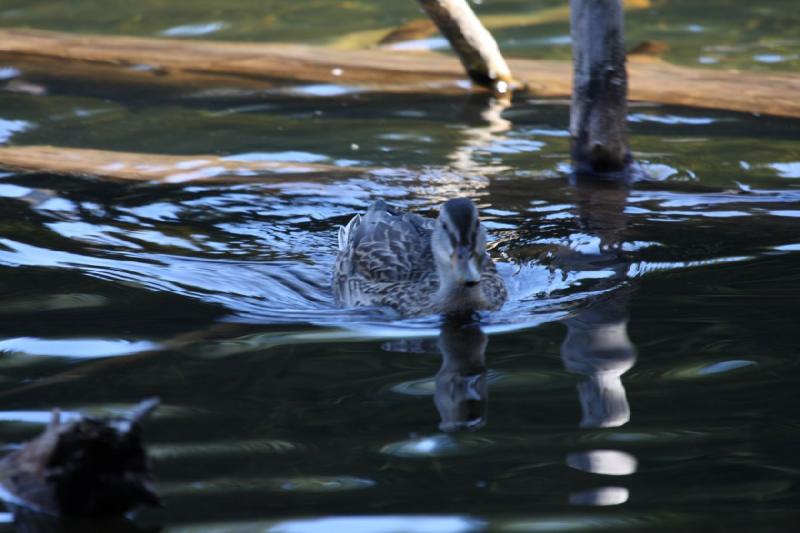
385 259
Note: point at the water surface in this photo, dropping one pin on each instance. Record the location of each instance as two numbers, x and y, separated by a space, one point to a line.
642 376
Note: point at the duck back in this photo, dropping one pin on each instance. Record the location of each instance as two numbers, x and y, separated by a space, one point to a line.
385 259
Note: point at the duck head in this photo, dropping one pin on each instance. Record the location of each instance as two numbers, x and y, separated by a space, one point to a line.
458 244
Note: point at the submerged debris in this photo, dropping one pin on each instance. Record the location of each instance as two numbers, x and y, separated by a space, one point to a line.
650 48
88 467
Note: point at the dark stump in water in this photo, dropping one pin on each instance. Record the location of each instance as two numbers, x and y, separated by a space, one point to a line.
600 90
89 467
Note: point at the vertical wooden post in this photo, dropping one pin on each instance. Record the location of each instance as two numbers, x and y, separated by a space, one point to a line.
475 46
599 87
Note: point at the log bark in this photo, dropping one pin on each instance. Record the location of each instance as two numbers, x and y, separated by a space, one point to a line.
474 45
155 167
46 55
599 107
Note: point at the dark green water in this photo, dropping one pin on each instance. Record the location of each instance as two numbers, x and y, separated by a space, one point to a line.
643 376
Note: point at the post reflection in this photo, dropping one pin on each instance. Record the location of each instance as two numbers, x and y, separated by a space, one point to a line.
597 345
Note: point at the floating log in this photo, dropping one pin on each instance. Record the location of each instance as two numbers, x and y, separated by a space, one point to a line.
177 62
183 63
87 467
155 167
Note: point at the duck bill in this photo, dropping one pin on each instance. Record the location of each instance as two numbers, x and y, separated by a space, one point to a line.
467 268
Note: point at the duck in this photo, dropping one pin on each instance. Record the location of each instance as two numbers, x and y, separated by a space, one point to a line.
417 265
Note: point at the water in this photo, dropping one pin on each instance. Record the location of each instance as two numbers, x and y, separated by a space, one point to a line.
642 376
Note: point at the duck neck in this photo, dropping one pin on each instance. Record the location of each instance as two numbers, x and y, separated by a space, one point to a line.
454 297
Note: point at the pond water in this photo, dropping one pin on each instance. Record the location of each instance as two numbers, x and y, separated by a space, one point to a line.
643 375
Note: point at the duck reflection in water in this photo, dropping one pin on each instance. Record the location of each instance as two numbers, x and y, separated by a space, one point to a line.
462 392
461 389
597 345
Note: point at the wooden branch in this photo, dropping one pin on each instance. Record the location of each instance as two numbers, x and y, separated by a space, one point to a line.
154 167
474 45
599 108
182 63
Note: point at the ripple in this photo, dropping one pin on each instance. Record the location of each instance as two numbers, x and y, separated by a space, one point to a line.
324 484
194 30
584 522
769 58
447 445
291 156
787 170
54 302
515 146
785 213
8 190
306 484
600 497
7 73
418 387
645 267
346 524
427 386
628 437
319 90
380 524
78 348
267 258
9 127
528 380
238 447
605 462
105 410
36 417
670 119
710 370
